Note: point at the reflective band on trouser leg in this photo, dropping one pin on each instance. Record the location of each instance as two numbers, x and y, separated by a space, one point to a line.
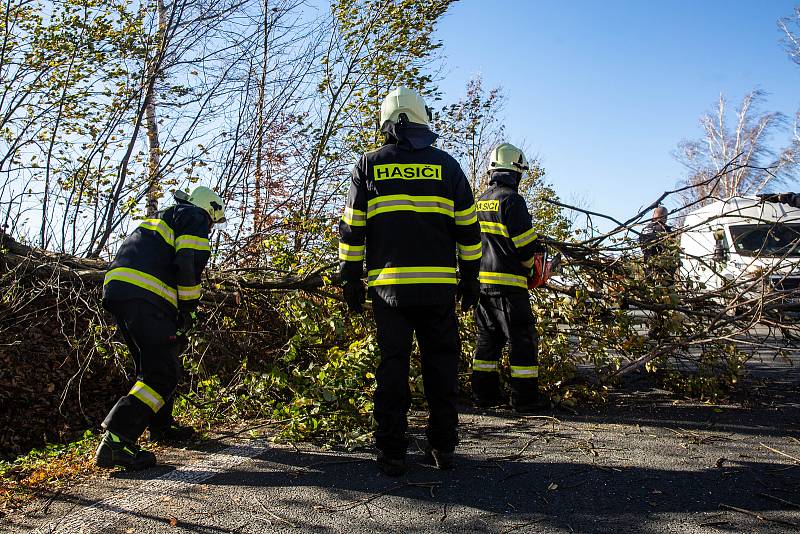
488 227
143 280
192 242
487 366
161 227
518 371
502 279
419 204
466 217
524 238
354 217
189 292
412 275
469 252
147 395
351 252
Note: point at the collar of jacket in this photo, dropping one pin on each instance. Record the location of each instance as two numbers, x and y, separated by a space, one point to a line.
506 178
409 135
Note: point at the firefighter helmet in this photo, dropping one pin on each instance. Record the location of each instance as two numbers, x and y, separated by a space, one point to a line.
509 158
405 101
210 202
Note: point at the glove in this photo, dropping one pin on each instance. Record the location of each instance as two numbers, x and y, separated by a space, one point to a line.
354 295
769 197
468 292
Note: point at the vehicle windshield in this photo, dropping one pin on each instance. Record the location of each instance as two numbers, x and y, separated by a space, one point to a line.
766 240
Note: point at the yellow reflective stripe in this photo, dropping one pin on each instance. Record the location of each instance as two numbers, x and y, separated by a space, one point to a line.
354 217
351 252
189 292
469 252
412 275
161 227
143 280
524 238
503 279
466 217
521 371
147 395
486 366
419 204
192 242
488 227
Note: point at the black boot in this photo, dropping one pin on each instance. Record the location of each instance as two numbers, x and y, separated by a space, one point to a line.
492 401
530 406
174 433
442 460
392 467
115 451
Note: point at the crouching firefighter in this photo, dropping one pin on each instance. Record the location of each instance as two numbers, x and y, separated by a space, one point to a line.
503 314
152 289
411 214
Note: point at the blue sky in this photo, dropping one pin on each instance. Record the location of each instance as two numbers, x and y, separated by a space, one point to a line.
603 92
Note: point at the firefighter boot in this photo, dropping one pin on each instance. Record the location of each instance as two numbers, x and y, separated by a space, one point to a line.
115 451
173 433
391 467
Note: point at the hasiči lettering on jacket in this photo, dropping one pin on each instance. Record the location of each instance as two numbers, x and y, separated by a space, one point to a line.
488 205
408 171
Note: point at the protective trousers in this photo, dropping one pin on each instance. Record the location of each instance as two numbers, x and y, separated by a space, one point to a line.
501 320
436 328
149 333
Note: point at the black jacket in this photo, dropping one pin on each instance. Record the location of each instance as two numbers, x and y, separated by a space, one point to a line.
652 239
410 212
162 260
507 236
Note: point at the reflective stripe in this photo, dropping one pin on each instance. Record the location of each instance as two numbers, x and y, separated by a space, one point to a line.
419 204
189 292
354 217
192 242
523 239
488 227
351 252
466 217
487 366
147 395
143 280
161 227
412 275
469 252
518 371
503 279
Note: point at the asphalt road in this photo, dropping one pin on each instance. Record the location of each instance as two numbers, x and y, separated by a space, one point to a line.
645 463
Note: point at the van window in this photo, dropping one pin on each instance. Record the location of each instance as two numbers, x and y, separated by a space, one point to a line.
770 240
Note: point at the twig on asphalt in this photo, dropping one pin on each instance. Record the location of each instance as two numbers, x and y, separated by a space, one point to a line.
778 499
780 452
274 516
374 496
760 517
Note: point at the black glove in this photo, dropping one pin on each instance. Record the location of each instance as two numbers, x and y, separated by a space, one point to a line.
468 292
354 295
769 197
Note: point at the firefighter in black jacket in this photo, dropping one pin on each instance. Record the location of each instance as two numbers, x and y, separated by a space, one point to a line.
410 213
504 312
152 289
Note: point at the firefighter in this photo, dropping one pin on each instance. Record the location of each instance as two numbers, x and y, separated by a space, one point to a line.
504 314
410 213
152 289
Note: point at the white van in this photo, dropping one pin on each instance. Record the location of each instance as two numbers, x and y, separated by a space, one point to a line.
743 240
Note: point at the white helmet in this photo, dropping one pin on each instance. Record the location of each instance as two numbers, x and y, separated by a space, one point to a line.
404 100
210 202
509 158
